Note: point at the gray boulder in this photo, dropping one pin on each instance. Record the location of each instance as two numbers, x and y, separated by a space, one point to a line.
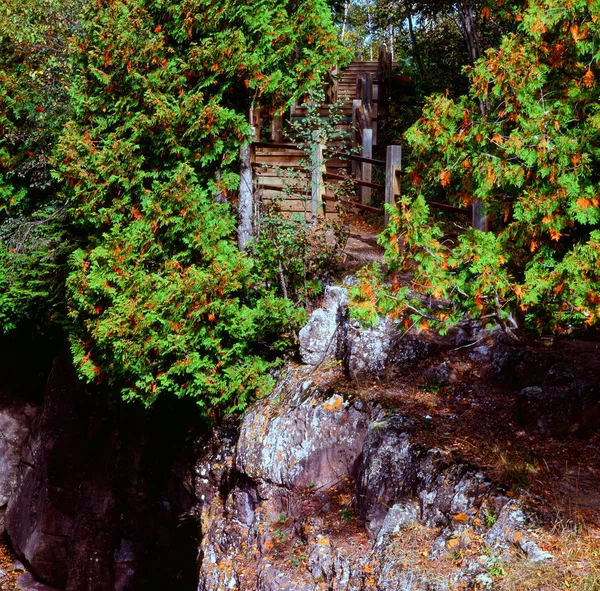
386 347
511 529
368 349
322 337
316 441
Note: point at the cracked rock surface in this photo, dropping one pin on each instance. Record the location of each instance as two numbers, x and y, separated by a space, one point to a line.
319 492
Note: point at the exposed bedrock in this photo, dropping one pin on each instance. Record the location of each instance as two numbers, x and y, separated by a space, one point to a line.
285 505
364 351
100 492
314 489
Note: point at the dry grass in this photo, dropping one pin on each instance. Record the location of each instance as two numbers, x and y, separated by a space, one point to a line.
576 566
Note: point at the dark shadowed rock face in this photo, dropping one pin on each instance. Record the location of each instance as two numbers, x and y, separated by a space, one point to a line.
15 420
40 517
396 473
24 367
100 494
559 385
567 401
388 471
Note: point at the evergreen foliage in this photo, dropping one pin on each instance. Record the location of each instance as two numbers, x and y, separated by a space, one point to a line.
35 71
524 143
159 298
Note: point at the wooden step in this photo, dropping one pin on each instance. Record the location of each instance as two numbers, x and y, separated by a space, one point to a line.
323 111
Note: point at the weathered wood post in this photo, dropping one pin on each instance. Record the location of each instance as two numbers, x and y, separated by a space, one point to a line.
367 152
367 135
367 96
357 140
480 219
332 91
317 168
384 68
277 129
375 112
393 164
255 123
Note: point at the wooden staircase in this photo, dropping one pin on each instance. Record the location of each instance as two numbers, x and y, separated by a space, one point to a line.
282 171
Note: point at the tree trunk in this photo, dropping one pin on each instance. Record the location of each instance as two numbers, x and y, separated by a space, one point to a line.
465 13
246 197
346 7
413 39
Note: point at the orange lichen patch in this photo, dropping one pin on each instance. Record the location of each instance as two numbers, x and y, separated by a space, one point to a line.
269 545
461 517
335 403
518 537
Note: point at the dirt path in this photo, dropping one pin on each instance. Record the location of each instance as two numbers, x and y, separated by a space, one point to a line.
362 248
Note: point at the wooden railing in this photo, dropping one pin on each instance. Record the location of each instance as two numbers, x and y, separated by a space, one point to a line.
368 108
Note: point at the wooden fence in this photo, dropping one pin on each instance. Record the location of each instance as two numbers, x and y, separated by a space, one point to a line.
368 108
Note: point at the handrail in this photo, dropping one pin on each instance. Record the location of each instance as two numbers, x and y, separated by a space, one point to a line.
361 183
356 204
374 161
445 207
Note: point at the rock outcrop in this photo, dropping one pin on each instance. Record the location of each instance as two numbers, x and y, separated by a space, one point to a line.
315 489
320 492
15 421
364 351
323 336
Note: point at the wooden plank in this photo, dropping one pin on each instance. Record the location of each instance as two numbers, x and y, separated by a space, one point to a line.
273 159
279 181
275 170
288 145
295 206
